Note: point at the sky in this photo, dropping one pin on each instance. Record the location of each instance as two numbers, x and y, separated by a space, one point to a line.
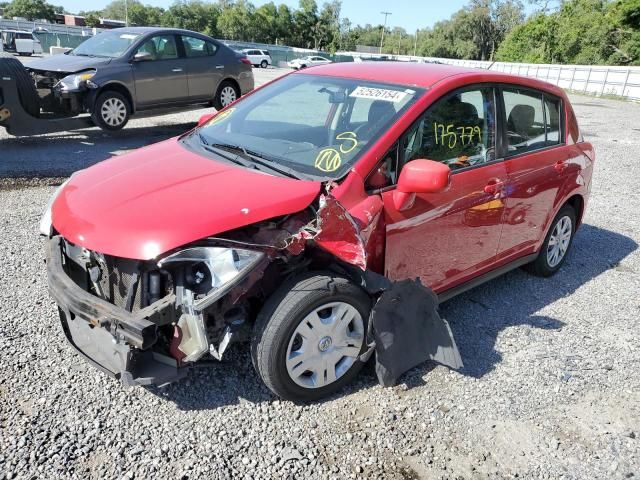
409 14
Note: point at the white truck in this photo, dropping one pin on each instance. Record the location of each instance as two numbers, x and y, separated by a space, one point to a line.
20 42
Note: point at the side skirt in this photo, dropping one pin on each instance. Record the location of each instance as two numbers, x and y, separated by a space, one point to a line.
475 282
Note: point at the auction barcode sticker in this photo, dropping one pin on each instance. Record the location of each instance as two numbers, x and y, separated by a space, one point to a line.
378 94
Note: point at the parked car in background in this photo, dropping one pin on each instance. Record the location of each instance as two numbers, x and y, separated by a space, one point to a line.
20 42
129 71
266 220
258 58
309 61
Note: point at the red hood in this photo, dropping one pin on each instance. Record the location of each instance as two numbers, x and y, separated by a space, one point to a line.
164 196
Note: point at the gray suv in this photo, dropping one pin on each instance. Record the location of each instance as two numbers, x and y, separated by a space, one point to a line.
127 71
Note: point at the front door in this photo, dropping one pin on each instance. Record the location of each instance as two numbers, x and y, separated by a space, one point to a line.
161 80
449 237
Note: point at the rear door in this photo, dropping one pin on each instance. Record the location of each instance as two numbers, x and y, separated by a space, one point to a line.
162 80
535 161
205 69
449 237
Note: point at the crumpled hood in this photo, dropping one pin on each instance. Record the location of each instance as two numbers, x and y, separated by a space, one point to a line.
67 63
164 196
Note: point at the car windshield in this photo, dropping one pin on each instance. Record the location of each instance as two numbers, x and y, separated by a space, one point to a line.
107 44
310 126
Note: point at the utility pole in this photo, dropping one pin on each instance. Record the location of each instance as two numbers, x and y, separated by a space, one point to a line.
126 14
386 14
415 42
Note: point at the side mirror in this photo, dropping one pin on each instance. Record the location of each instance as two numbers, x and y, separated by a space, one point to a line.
142 57
205 118
420 176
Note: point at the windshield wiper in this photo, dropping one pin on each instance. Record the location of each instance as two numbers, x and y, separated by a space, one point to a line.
255 157
215 148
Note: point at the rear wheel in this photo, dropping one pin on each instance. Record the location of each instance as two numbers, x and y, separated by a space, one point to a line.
29 98
111 111
227 94
309 335
264 64
556 244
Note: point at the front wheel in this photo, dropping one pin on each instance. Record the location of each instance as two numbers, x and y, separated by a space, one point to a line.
309 336
227 94
264 64
111 111
556 244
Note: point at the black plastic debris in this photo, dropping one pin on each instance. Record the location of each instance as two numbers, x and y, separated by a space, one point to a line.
407 331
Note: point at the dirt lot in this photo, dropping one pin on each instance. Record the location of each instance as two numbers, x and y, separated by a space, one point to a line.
550 389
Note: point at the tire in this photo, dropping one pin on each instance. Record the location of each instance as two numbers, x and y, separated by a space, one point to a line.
303 66
111 111
264 64
279 328
29 98
224 96
562 229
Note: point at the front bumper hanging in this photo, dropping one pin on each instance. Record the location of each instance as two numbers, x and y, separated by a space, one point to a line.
18 122
112 339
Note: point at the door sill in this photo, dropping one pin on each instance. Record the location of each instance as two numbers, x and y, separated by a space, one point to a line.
485 277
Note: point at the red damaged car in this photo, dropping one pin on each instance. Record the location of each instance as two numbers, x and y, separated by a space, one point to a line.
286 218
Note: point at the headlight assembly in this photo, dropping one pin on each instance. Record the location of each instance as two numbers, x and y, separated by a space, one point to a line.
77 80
210 272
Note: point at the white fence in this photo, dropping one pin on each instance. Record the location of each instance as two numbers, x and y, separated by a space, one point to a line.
593 79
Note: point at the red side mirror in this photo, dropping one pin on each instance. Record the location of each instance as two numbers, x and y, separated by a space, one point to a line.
420 176
205 118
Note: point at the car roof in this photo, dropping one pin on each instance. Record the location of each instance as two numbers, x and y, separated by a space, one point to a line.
423 75
145 30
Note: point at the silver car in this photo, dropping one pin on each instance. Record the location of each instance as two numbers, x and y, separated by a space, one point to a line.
129 71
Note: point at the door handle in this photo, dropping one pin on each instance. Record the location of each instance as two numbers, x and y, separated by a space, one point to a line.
493 187
176 70
560 166
219 67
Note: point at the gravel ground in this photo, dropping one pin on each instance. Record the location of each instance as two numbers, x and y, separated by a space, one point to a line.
551 387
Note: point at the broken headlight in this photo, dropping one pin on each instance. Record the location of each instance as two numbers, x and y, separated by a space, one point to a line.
210 272
75 81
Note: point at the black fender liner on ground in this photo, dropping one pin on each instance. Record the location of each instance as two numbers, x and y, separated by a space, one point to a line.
405 328
29 98
408 331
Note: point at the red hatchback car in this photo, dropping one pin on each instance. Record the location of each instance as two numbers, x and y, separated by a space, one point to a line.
252 225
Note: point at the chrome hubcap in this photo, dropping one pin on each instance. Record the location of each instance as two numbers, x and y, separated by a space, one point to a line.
113 112
325 345
559 241
227 96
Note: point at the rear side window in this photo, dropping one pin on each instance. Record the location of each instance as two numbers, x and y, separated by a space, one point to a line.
534 120
196 47
552 108
525 120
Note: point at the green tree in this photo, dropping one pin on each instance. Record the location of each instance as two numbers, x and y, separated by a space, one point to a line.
193 15
30 9
235 21
305 19
92 20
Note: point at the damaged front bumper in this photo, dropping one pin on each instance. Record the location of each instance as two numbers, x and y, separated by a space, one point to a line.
114 340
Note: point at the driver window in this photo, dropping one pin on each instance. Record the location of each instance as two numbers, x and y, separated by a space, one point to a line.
161 47
458 130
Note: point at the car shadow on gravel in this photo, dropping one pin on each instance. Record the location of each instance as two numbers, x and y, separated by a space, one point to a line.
476 318
63 153
480 315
